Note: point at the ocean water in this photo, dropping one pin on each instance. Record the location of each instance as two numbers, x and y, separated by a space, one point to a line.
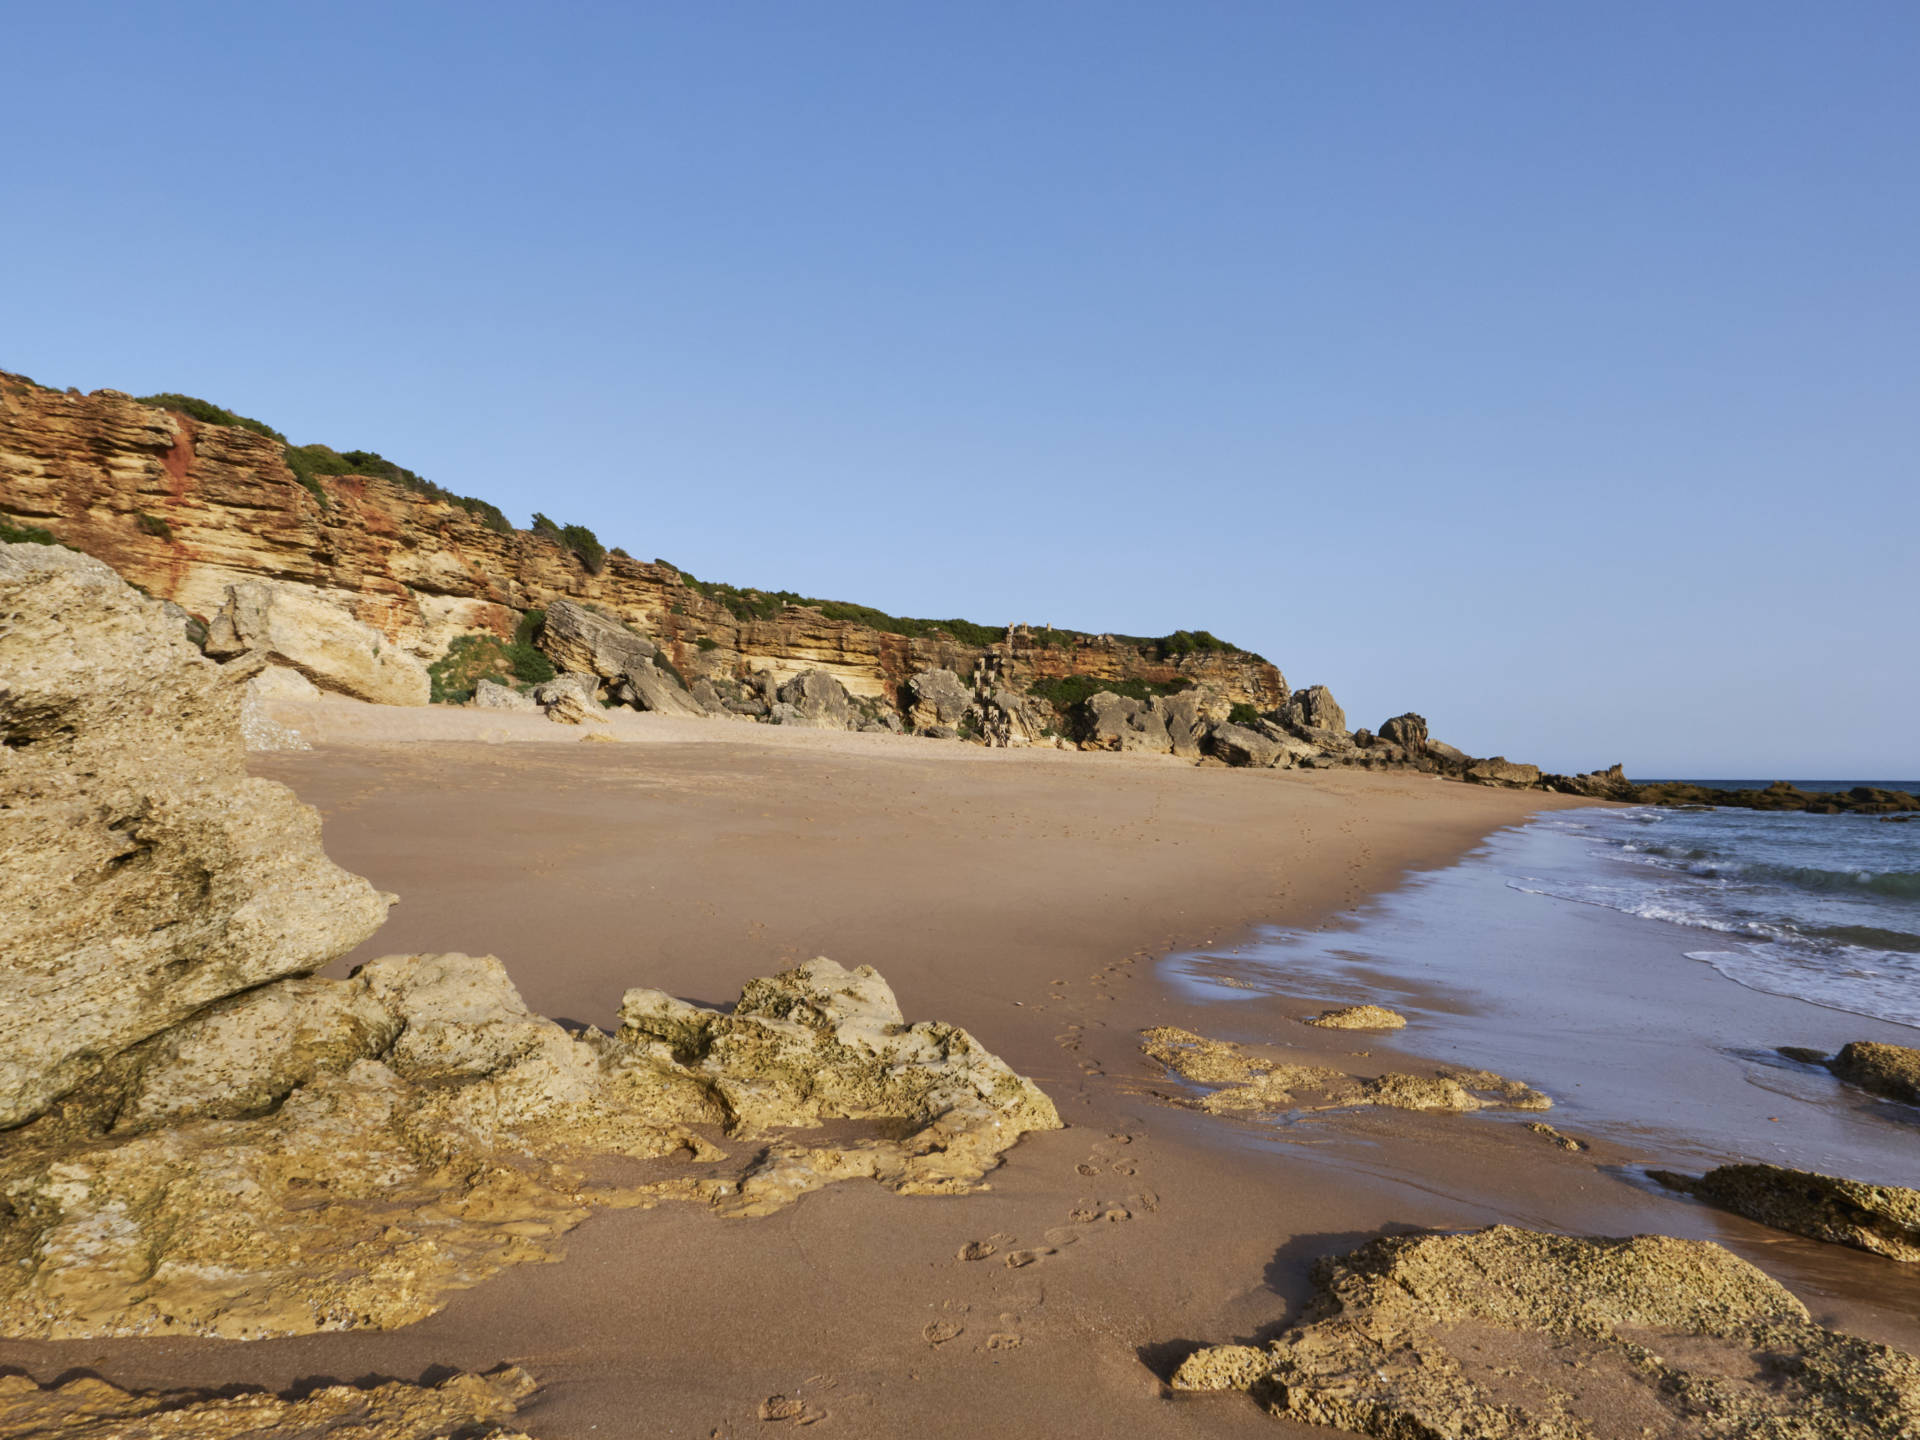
1821 908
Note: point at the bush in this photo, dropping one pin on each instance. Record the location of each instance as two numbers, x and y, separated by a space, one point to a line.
207 413
13 534
1243 714
706 643
586 545
153 525
473 658
1071 690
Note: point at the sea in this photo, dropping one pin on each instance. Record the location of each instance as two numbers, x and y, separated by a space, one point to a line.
1644 965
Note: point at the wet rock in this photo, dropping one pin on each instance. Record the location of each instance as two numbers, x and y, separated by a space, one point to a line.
148 874
298 629
1883 1219
1511 1334
1359 1017
1889 1070
85 1408
576 638
1242 1080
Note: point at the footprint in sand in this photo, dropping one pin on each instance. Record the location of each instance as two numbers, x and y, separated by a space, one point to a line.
1061 1236
791 1407
1085 1168
1004 1340
977 1249
938 1332
1019 1259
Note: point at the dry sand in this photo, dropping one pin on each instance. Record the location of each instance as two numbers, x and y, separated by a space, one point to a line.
1024 895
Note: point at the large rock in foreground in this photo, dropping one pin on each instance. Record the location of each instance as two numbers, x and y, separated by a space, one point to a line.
1511 1334
1889 1070
146 874
321 641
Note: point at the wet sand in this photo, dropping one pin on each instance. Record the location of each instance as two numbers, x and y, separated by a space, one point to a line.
1027 896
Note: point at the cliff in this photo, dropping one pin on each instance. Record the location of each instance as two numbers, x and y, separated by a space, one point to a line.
184 508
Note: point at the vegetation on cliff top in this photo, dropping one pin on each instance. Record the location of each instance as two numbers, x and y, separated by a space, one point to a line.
584 544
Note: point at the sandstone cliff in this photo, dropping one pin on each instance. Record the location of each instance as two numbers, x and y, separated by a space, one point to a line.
185 509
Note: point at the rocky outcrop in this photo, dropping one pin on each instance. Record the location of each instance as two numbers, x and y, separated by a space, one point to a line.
204 1139
936 700
815 700
221 507
492 695
1237 745
1119 722
149 875
1238 1080
1359 1017
320 641
575 638
1314 712
1884 1219
1511 1334
1889 1070
1408 732
1503 773
474 1407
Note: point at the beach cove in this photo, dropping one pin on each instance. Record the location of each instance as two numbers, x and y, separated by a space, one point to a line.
1028 896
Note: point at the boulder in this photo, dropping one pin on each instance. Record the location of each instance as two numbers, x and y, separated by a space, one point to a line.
650 688
492 695
1237 745
1509 1334
1119 722
1889 1070
1884 1219
150 876
1011 719
1185 721
1501 772
297 629
1314 711
277 682
576 638
935 698
1448 755
1610 784
1360 1017
1408 732
816 700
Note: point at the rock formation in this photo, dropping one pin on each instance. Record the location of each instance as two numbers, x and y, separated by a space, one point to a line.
332 650
474 1407
1239 1081
201 1138
1889 1070
1510 1334
1883 1219
1359 1017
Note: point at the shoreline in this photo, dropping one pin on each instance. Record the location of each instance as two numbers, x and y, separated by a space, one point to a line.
973 887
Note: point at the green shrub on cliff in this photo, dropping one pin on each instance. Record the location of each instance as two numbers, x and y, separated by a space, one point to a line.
473 658
13 534
585 544
208 413
1243 714
1071 690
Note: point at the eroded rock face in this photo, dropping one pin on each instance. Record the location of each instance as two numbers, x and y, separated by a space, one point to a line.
1240 1080
575 638
304 632
1511 1334
1884 1219
474 1406
1314 711
936 698
816 700
147 874
1237 745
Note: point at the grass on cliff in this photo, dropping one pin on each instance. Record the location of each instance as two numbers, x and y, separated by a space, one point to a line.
208 413
584 544
1071 690
473 658
12 534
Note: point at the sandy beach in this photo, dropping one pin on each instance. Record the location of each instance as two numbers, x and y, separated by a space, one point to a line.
1026 895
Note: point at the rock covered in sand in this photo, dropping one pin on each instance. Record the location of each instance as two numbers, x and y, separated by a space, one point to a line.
1883 1219
1510 1334
1360 1017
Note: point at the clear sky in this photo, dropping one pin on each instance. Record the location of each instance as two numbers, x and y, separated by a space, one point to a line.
1548 369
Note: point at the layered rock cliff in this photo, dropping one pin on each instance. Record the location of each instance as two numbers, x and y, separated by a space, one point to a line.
185 509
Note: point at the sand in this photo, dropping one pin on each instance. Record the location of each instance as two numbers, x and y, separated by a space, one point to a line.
1025 895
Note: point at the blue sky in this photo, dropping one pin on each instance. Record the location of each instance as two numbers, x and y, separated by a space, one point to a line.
1550 370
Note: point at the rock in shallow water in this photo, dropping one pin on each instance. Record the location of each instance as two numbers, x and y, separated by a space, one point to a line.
1883 1219
1511 1334
1360 1017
